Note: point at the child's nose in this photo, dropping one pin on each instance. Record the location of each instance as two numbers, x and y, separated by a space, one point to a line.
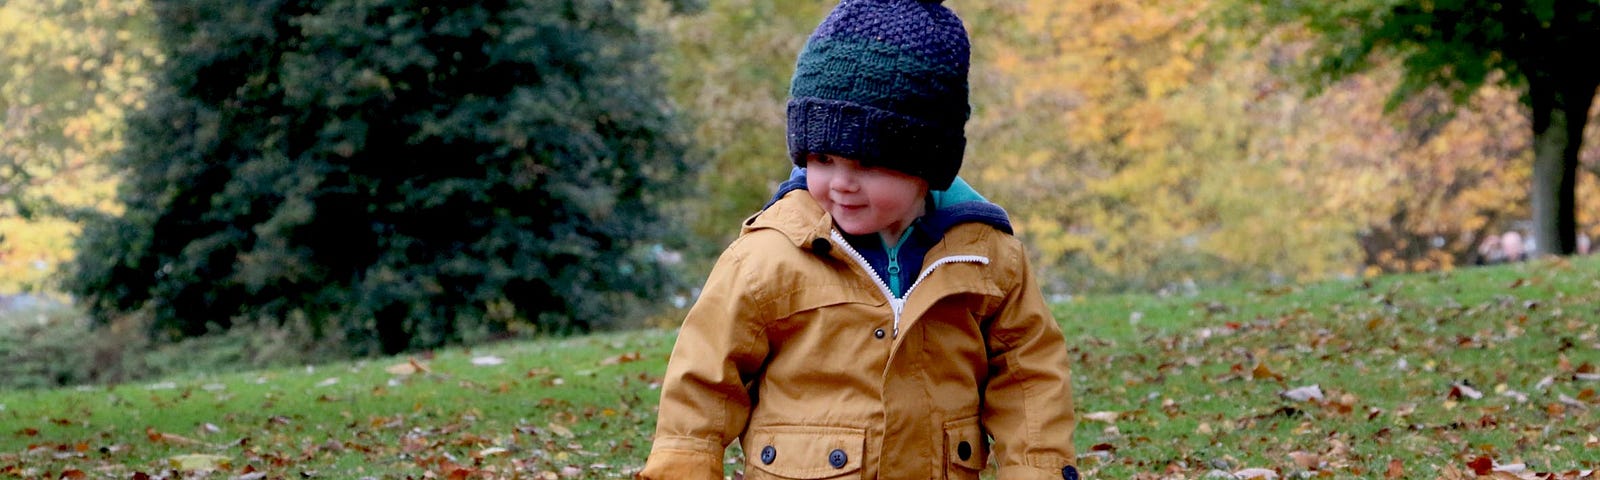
844 180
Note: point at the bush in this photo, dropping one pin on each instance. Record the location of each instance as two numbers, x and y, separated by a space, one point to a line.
57 345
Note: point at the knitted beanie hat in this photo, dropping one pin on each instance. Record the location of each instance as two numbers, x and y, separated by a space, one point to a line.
884 82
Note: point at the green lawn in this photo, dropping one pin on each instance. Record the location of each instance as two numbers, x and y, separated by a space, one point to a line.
1427 376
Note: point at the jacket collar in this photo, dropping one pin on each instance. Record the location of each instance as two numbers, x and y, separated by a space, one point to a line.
953 206
794 215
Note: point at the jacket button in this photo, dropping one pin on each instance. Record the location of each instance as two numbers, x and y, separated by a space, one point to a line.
837 458
821 246
879 333
1069 472
768 454
964 450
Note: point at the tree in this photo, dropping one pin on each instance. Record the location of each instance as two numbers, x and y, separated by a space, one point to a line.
401 173
729 66
1539 47
73 70
1126 145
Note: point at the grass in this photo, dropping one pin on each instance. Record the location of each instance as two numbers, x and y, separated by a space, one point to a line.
1174 387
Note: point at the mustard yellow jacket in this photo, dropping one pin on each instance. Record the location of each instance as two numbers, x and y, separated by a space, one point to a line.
794 348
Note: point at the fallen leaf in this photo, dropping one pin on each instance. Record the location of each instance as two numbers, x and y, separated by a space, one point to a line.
198 461
491 451
1459 390
1306 393
1104 417
1306 460
1261 372
620 359
1481 465
328 382
159 437
411 366
1255 473
487 360
1397 469
564 432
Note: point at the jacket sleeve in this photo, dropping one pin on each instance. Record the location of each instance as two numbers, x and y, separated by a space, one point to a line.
1028 406
704 400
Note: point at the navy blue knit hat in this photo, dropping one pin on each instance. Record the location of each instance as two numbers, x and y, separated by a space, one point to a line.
884 82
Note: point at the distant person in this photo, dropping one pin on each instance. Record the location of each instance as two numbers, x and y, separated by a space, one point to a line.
1583 243
1511 244
877 319
1489 251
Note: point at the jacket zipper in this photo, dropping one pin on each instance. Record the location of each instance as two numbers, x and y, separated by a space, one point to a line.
898 305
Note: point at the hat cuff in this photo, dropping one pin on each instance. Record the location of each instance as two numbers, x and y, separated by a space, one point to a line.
874 137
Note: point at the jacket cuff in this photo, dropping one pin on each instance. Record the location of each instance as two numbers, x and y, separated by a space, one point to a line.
683 458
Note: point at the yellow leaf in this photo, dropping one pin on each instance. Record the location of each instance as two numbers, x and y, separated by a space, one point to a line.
564 432
199 461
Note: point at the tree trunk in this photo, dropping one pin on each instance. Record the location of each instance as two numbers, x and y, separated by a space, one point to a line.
1549 144
1560 113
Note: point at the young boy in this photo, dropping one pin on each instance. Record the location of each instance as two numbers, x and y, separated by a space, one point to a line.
876 320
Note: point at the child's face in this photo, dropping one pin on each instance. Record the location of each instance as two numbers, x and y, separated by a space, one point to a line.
865 200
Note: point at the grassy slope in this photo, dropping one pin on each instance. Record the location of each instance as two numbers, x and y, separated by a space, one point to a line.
1174 387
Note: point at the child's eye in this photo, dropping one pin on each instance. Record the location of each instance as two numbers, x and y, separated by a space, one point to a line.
818 159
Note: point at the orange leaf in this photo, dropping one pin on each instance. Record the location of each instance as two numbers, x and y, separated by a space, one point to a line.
1396 470
620 359
1261 372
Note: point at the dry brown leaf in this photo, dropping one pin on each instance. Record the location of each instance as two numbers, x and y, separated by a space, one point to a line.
1397 469
620 359
1261 372
1306 460
411 366
564 432
160 437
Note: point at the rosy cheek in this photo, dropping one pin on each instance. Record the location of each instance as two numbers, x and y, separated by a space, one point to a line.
821 197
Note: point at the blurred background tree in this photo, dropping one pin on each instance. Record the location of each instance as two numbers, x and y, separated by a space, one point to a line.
728 69
1539 48
72 72
403 174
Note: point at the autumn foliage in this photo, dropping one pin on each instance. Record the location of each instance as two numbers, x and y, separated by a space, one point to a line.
1156 144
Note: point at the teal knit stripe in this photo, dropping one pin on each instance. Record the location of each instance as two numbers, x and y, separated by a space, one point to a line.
879 75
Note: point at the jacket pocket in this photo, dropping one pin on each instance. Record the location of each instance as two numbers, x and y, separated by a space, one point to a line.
966 449
804 452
